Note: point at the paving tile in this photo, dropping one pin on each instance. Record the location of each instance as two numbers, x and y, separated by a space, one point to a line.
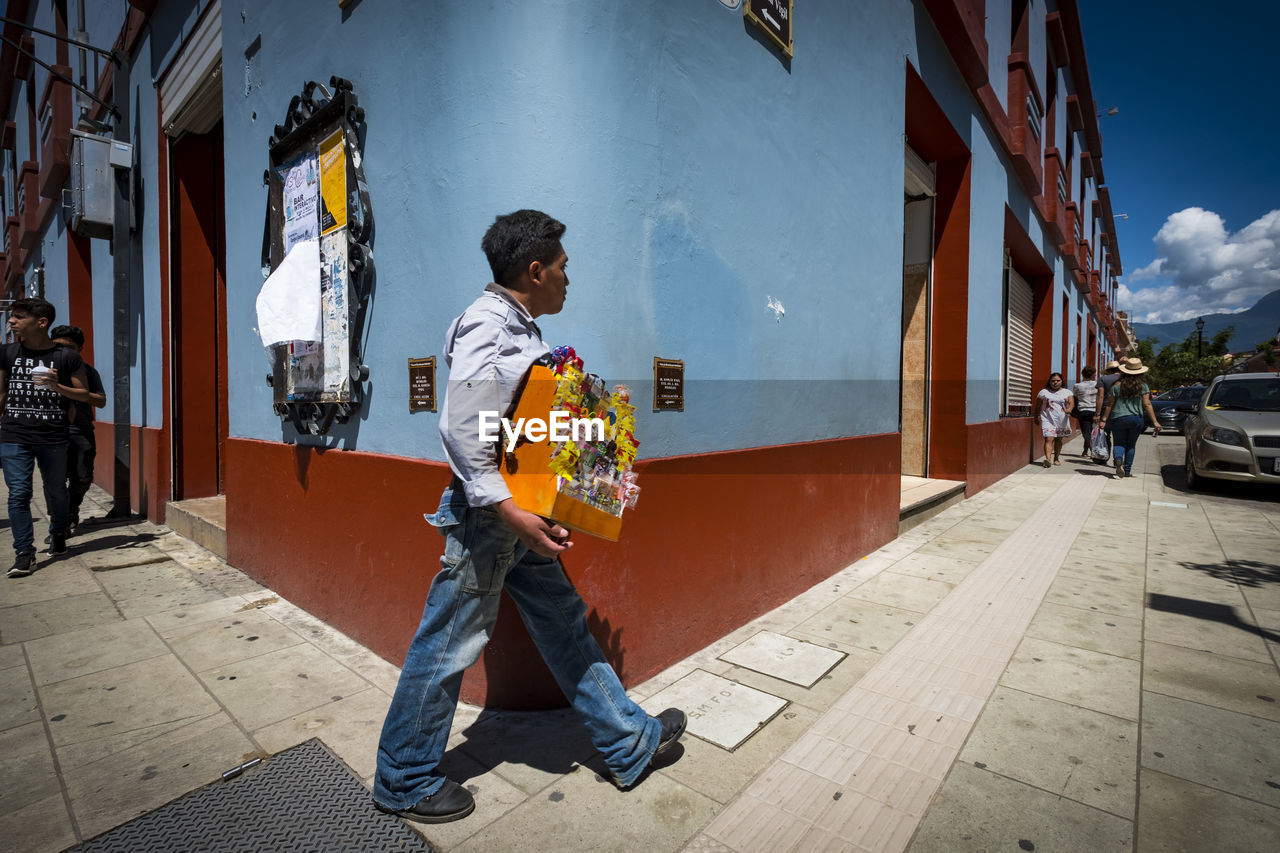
40 827
236 637
375 670
821 695
116 551
75 653
529 749
494 797
581 811
172 623
27 772
350 727
906 592
61 581
1086 679
1099 632
42 618
719 774
721 711
854 622
1234 684
11 656
102 713
1178 815
1117 597
275 686
784 658
1220 749
117 789
1072 752
979 810
18 705
931 566
1215 628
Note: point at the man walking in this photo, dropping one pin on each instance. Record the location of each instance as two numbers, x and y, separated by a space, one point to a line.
491 544
37 379
82 448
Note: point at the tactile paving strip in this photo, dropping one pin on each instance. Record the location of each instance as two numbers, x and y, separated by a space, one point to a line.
300 799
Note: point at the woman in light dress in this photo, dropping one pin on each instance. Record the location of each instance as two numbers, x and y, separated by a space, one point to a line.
1053 406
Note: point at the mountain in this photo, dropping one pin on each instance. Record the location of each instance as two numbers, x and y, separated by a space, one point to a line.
1257 324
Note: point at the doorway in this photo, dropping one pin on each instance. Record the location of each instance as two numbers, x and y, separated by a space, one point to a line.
199 314
919 190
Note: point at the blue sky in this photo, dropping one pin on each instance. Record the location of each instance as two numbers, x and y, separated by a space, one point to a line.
1191 156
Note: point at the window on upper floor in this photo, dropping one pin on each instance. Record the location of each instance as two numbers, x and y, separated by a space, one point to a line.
10 183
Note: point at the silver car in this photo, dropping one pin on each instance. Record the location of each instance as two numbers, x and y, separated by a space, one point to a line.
1234 432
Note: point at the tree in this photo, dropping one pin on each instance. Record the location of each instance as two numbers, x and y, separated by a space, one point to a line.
1177 364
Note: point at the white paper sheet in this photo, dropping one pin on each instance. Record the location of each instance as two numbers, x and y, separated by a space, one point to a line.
289 302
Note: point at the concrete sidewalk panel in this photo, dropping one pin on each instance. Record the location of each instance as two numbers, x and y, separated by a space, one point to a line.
118 551
1230 683
75 653
96 715
65 579
349 727
275 686
131 783
11 656
857 623
1178 815
931 566
979 810
27 772
494 797
906 592
40 827
236 637
1073 752
1087 629
530 749
1086 679
18 705
43 618
1220 749
1211 627
1117 597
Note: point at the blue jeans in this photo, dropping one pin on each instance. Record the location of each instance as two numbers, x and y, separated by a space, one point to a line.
19 461
482 556
1124 438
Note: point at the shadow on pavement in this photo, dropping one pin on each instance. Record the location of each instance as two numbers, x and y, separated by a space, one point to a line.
1250 573
1224 613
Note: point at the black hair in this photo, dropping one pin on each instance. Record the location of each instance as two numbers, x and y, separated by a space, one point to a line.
71 333
1049 381
515 240
34 307
1088 372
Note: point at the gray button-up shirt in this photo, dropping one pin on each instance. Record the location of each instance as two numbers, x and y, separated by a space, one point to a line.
488 349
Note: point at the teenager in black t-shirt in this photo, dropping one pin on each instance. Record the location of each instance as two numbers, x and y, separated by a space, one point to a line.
83 447
38 381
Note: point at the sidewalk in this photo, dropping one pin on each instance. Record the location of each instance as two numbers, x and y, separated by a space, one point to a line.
1063 662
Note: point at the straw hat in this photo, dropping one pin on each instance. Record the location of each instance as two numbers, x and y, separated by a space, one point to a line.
1133 367
1113 365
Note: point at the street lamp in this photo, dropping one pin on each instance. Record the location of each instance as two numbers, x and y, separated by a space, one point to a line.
1199 337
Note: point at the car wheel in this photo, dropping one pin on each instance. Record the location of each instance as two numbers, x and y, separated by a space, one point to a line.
1194 480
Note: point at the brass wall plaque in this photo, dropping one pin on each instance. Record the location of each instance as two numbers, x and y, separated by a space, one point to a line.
668 385
422 384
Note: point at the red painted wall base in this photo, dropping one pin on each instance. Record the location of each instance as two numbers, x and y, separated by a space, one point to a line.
149 474
716 541
998 448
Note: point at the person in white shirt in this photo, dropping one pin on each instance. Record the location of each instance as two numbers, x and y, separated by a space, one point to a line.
1086 393
491 545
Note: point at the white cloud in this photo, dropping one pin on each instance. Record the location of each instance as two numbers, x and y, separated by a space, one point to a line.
1204 269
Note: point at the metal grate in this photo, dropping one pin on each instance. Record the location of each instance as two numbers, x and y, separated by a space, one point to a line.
300 799
1266 441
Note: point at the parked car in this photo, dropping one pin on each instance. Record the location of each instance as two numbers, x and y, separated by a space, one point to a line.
1234 432
1173 406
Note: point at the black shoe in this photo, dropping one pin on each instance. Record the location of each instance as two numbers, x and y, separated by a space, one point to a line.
57 543
673 722
452 802
24 565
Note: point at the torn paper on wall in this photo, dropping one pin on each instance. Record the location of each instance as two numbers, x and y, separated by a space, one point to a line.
289 301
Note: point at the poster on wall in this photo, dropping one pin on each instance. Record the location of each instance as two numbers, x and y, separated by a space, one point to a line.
301 200
334 313
333 183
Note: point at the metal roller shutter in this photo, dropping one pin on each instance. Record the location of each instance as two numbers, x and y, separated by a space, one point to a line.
1021 306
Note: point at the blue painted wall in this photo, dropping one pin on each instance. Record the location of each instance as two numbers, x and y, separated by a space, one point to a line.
697 174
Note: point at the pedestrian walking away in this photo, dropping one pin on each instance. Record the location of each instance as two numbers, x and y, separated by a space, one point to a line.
491 545
1126 410
1110 376
82 447
38 381
1053 407
1085 393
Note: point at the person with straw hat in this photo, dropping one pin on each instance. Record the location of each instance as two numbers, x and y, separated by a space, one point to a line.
1128 400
